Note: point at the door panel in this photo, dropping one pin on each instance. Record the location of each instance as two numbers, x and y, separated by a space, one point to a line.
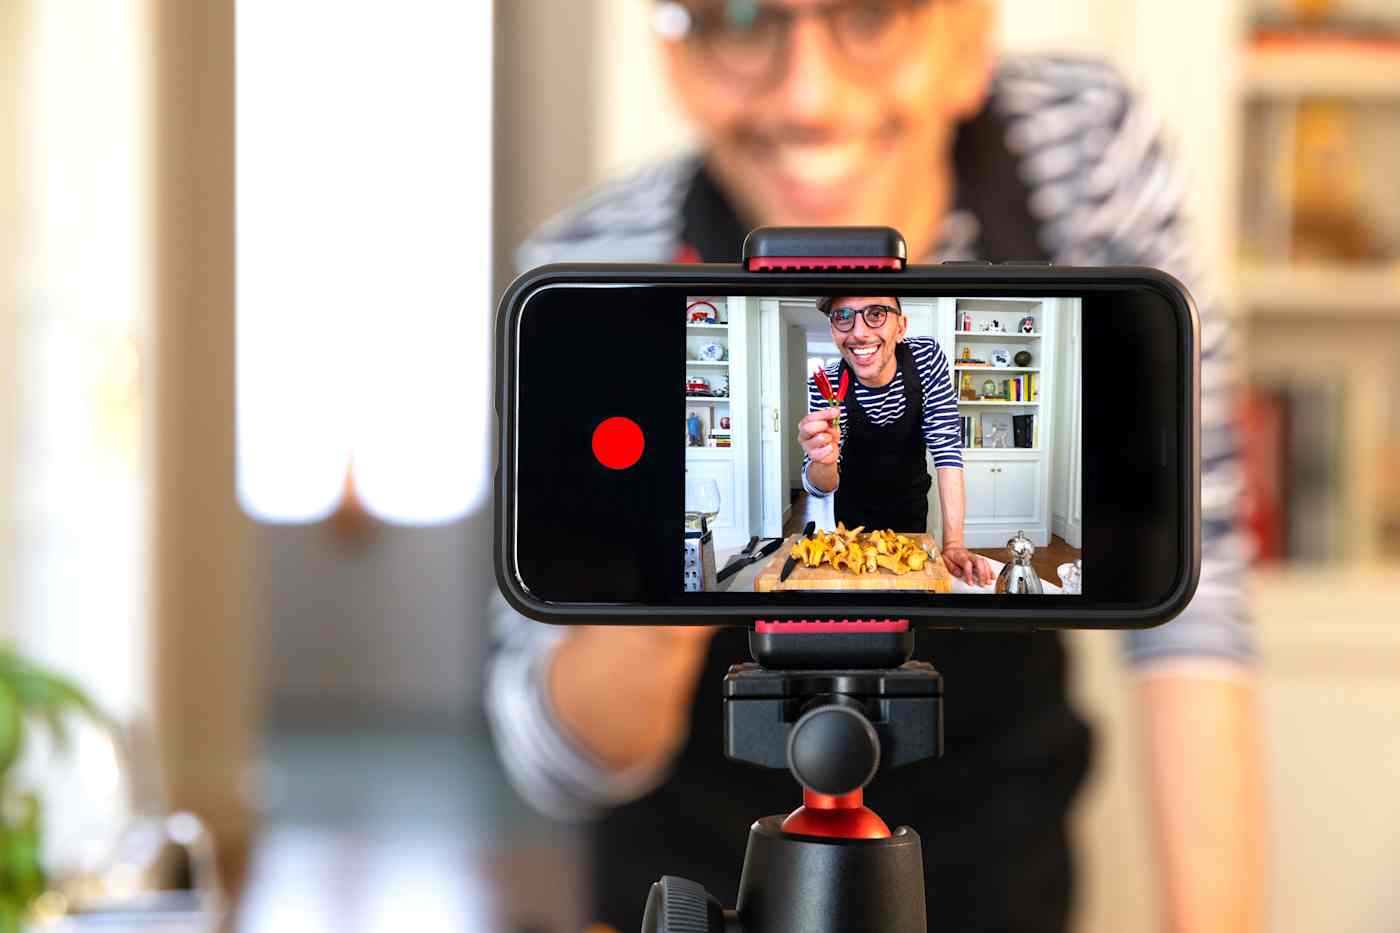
980 490
1017 483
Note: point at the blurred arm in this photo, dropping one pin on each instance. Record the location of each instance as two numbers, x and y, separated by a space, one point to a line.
1202 747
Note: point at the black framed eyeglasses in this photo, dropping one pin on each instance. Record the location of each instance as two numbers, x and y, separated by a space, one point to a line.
749 40
844 319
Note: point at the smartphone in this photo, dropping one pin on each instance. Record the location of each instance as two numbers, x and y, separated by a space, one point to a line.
652 467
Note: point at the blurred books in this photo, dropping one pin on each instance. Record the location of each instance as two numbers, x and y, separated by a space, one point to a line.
1293 445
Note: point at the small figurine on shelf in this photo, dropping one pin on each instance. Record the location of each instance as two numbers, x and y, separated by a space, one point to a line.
993 327
723 391
693 437
967 393
1027 325
966 355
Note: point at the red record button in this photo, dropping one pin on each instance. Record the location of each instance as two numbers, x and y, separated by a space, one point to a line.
618 443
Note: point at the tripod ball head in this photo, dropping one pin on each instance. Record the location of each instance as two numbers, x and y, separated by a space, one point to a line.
833 749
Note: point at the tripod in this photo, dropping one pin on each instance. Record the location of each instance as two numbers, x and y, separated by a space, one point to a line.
833 706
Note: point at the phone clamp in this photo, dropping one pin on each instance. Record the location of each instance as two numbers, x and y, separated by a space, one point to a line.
824 249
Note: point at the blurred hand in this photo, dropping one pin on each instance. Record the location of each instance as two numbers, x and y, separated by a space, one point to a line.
820 437
625 691
967 566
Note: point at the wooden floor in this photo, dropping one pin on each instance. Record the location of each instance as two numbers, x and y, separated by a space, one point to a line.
1046 560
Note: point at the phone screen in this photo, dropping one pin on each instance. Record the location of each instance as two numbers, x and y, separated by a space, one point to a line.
928 449
933 444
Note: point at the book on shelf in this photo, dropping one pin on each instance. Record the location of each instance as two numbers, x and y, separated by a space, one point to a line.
1022 430
1292 439
996 430
1003 431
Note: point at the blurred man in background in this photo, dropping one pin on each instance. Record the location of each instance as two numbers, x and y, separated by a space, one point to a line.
897 112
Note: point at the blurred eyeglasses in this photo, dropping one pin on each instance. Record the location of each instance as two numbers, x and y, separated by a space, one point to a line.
749 41
844 319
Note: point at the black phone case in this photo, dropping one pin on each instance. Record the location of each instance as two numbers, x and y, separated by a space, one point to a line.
715 278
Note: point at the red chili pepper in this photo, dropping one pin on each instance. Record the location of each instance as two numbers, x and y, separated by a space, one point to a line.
834 398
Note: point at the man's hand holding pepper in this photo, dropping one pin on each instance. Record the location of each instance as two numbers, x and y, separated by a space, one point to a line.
820 437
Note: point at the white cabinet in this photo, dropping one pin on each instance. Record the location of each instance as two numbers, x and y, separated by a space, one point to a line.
1017 484
1003 496
980 491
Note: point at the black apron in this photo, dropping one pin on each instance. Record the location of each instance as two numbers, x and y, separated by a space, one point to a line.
992 812
884 471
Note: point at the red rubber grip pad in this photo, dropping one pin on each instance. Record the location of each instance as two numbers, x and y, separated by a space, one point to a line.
802 626
825 264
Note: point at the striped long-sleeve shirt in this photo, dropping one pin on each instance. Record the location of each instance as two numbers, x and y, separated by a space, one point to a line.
1106 192
885 405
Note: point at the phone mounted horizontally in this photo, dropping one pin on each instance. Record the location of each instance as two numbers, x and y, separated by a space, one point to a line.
589 453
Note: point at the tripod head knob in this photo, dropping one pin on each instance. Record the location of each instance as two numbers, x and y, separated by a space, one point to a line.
833 749
678 905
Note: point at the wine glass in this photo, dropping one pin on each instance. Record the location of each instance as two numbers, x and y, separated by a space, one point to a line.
702 496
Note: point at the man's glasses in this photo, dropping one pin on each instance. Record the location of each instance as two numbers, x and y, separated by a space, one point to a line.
844 319
749 40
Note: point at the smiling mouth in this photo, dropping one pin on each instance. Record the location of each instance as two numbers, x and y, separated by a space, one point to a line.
865 354
821 174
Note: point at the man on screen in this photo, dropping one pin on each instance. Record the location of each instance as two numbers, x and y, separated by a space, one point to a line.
899 113
902 402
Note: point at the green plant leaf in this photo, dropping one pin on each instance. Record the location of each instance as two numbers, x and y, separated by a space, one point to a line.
11 730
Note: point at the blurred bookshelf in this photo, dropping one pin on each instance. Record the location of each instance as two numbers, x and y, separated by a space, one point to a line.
1318 288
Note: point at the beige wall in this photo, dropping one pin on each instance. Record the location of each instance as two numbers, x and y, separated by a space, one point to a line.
205 634
547 124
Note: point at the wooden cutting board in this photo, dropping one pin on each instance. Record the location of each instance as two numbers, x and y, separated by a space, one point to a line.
932 578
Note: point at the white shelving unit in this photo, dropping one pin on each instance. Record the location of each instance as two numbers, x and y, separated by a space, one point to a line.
729 466
1007 489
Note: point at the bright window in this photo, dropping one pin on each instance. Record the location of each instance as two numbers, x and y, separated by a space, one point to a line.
364 299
